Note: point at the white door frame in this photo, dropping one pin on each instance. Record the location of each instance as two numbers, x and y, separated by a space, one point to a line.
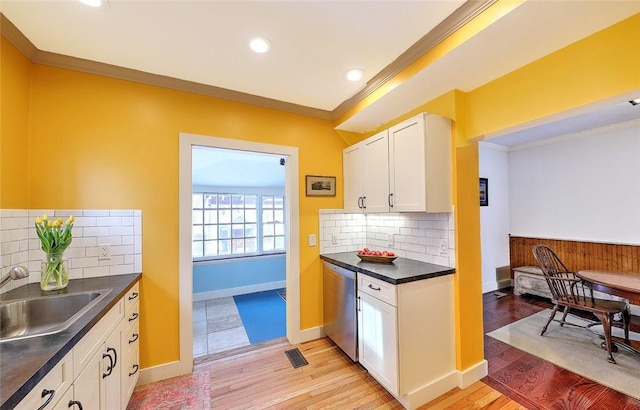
185 278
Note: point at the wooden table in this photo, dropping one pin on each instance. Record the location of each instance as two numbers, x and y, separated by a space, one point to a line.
623 284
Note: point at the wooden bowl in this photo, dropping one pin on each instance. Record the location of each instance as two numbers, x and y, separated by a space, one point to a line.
377 258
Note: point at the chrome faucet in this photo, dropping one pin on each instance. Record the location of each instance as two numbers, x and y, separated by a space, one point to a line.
17 272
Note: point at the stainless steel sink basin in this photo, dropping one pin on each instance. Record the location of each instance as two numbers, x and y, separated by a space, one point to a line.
23 318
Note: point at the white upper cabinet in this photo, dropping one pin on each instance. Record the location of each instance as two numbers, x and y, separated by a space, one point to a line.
353 175
406 168
420 164
376 173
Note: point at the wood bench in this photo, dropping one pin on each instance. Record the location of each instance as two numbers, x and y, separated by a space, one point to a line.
530 280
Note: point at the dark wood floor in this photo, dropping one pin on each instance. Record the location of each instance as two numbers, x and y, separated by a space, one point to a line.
531 381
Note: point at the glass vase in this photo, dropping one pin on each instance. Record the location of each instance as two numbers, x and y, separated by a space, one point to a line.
54 274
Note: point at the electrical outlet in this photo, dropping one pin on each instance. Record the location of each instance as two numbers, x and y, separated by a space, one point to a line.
334 239
390 239
104 252
312 239
443 247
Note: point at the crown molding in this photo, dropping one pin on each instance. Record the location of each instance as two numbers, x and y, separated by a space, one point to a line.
461 16
37 56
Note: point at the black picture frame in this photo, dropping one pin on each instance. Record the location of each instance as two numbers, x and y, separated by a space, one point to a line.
484 192
317 185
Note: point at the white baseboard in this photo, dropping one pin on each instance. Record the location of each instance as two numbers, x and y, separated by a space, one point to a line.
313 333
471 375
429 391
164 371
242 290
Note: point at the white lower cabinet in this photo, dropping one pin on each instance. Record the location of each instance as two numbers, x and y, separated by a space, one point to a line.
97 374
406 337
378 340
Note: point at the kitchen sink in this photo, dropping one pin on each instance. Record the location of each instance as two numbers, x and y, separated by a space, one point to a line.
45 315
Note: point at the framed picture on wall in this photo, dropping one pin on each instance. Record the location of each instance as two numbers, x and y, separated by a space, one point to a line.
484 192
320 186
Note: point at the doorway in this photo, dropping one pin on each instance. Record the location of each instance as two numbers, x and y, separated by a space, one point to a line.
238 251
292 241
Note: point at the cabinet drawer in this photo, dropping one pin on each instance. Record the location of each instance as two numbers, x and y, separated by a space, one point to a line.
92 341
58 380
131 337
130 373
132 296
132 313
384 291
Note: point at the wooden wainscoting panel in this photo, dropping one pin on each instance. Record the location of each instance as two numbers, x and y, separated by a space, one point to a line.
577 255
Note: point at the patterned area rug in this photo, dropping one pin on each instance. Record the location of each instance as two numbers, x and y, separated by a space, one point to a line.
179 393
574 349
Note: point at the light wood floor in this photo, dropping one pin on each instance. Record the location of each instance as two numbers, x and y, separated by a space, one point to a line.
264 379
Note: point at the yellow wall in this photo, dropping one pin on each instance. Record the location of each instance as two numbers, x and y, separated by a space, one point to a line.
15 78
102 143
603 65
119 143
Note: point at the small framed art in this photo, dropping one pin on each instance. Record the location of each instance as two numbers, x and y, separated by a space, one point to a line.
320 186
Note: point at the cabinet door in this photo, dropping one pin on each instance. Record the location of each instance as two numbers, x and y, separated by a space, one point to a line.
378 340
376 173
352 168
407 165
88 387
112 361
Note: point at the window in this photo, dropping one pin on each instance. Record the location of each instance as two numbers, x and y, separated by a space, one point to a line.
236 224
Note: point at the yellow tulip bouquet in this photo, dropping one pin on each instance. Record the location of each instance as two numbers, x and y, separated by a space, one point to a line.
54 238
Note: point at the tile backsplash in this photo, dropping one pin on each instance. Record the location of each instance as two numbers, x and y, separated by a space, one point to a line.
120 229
421 236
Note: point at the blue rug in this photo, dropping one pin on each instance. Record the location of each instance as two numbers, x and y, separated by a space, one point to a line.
263 315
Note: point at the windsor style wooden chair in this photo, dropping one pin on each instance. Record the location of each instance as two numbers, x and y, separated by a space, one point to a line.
569 292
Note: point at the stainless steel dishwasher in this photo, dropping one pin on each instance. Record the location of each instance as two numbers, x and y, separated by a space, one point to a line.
339 308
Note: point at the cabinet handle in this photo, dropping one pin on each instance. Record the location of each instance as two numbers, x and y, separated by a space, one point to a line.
135 370
46 392
75 403
358 304
371 287
364 202
133 317
109 367
360 202
135 337
115 355
133 295
391 200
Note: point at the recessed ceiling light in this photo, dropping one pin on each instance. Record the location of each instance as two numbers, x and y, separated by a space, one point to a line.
354 74
260 44
635 102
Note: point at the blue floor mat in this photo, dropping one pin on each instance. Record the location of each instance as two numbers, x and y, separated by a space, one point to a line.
263 315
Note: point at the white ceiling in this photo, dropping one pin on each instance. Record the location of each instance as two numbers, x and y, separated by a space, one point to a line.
314 43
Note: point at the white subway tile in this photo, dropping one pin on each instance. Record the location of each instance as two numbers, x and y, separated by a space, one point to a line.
82 221
92 272
138 263
85 262
121 269
109 221
96 231
120 230
95 212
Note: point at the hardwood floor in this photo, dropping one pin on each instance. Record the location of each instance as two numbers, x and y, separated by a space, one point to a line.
531 381
261 377
264 379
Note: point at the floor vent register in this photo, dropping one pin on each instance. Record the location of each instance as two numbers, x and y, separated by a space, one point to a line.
296 358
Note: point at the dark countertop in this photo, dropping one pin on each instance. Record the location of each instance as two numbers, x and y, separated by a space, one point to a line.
23 363
401 270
